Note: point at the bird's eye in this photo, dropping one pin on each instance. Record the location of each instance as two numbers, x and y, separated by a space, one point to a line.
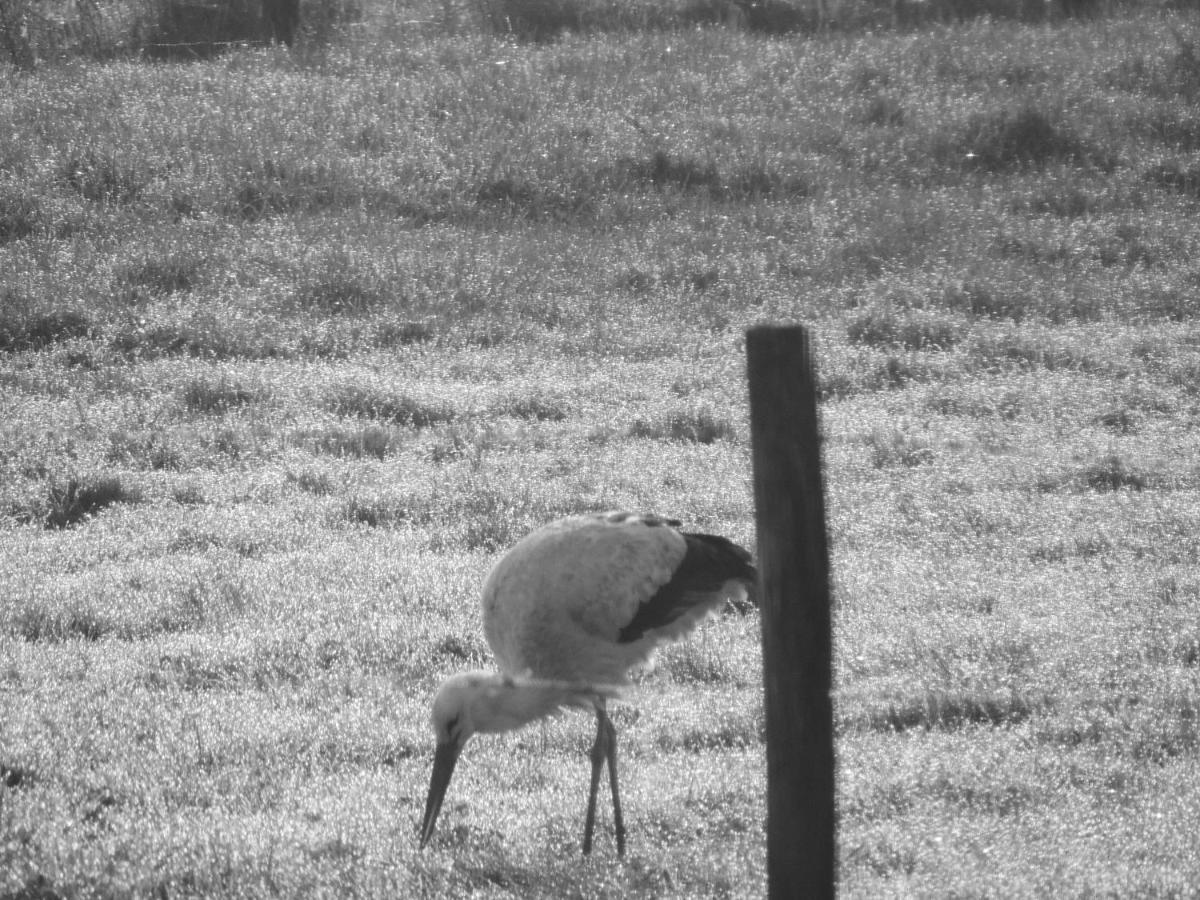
452 726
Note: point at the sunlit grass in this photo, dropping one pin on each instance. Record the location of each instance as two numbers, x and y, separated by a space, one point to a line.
294 344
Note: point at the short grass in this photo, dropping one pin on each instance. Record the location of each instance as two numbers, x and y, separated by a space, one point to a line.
294 343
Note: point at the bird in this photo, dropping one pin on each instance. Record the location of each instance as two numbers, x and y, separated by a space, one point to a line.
569 611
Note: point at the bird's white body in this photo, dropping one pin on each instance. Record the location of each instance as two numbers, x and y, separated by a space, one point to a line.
568 611
555 605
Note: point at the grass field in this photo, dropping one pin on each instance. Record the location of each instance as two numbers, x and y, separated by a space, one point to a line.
294 343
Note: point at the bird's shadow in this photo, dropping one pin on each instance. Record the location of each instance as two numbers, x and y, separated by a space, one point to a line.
482 860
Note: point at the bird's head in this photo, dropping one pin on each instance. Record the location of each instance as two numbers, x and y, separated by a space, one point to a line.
487 702
453 719
454 706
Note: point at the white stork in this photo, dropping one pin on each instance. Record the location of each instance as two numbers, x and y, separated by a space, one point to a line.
568 612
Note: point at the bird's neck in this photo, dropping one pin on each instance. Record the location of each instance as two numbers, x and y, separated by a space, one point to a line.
507 704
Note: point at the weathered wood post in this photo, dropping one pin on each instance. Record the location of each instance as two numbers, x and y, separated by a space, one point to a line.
793 560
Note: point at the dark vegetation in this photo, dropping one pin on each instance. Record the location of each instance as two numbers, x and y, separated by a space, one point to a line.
184 30
76 499
21 328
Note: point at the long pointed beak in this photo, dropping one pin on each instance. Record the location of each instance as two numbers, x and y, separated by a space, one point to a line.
443 767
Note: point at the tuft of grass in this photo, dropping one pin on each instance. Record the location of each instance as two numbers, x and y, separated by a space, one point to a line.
959 400
1146 732
1120 419
1085 545
700 426
313 481
472 441
188 494
104 177
1175 304
141 609
400 333
1170 590
995 302
1107 473
13 776
375 441
1064 201
1177 176
399 409
883 111
882 857
386 511
948 710
151 448
998 301
536 406
893 447
1113 473
343 286
517 195
1179 131
77 499
492 518
725 730
891 372
160 276
1012 138
204 334
217 332
1014 348
205 394
20 215
1166 75
20 330
74 621
908 329
693 663
276 186
690 175
461 650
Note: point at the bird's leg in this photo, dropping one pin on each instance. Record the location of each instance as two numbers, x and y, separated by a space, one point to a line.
618 820
598 755
604 750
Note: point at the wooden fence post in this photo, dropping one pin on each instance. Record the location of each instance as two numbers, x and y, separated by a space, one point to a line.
793 559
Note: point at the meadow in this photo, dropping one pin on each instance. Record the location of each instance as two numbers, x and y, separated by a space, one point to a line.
294 342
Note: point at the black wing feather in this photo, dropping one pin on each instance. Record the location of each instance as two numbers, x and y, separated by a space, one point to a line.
710 562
